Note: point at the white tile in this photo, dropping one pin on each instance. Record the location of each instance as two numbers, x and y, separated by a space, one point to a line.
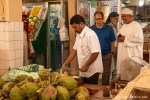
21 62
18 52
12 45
7 55
12 64
2 64
18 63
2 36
17 45
17 26
21 47
3 71
17 36
2 45
6 26
21 53
6 36
21 26
11 26
21 35
7 45
7 64
3 55
11 36
2 26
12 55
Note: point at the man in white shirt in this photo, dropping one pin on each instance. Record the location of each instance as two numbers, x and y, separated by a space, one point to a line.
130 42
87 48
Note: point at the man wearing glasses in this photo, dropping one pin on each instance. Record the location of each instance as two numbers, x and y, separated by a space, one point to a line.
107 39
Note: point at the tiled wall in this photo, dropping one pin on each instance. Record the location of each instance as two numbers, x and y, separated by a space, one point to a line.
11 45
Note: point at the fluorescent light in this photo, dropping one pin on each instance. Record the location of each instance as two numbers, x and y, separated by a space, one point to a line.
141 2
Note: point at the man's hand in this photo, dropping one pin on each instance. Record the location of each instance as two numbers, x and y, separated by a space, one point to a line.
84 68
121 39
32 55
63 66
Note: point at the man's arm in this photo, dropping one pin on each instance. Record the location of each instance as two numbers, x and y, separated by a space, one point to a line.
70 58
112 47
92 58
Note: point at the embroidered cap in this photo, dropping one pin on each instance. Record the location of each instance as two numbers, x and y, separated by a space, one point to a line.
127 11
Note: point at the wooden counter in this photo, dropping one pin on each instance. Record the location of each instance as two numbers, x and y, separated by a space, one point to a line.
99 94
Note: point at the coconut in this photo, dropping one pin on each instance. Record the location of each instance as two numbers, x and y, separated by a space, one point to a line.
62 93
44 74
68 82
37 80
43 84
49 93
2 82
82 89
15 94
29 89
55 77
7 87
20 78
82 96
29 78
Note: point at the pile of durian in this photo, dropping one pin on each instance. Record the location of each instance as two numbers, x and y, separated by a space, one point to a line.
49 86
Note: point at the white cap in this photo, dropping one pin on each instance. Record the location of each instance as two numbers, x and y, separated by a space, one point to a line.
127 11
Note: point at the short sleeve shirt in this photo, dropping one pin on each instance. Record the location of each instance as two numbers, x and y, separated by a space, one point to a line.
87 43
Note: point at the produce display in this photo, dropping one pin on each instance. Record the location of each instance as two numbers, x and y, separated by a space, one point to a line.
49 86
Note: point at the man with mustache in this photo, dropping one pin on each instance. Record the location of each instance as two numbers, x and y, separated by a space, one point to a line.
130 41
88 51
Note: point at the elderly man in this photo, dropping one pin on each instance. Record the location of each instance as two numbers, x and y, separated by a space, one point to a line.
130 40
88 51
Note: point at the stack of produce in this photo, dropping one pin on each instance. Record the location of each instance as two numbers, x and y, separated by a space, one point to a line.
49 86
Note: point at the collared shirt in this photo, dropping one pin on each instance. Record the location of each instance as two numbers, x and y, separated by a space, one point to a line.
106 36
87 43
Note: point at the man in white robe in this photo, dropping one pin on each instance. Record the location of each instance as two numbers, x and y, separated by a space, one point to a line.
131 41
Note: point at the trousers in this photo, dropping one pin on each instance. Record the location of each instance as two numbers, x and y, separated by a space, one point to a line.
107 59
